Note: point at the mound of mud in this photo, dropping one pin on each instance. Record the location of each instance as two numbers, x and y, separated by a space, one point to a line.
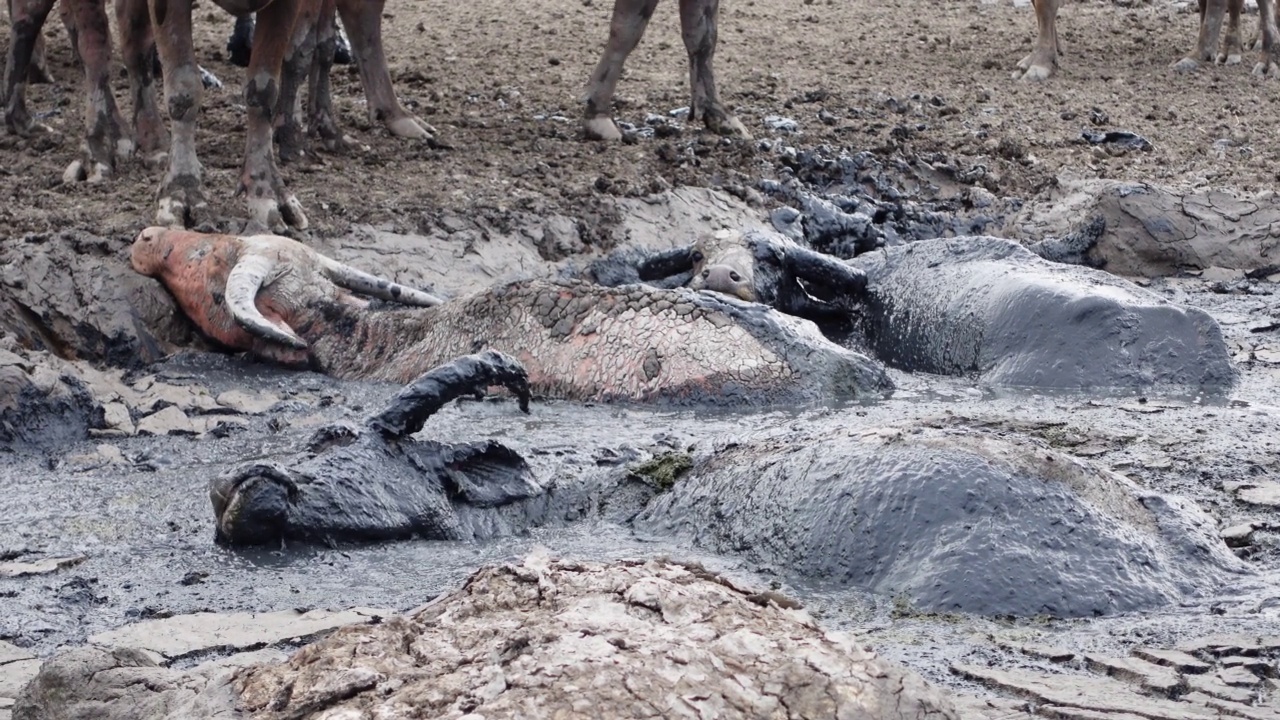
1138 229
42 401
990 307
950 521
75 296
544 638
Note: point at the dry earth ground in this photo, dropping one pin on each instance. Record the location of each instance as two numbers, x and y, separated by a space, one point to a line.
900 77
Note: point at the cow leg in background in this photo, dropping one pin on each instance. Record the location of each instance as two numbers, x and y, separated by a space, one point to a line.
138 47
630 18
240 44
26 18
271 205
322 123
1232 49
38 70
181 197
1206 49
290 136
1267 29
698 24
105 140
1042 62
363 21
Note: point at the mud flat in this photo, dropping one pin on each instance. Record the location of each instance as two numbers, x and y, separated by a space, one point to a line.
106 530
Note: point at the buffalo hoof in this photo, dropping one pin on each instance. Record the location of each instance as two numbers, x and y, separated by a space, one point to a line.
601 128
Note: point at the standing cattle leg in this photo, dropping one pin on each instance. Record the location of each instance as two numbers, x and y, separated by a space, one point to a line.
137 45
1232 49
181 196
240 44
1267 29
38 70
25 21
289 134
1042 62
630 17
698 23
363 21
1206 49
105 140
321 121
271 205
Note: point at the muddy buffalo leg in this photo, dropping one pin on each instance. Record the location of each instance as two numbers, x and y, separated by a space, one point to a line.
289 134
38 70
841 279
271 205
181 196
1267 29
699 20
240 44
468 375
1042 62
666 264
363 21
630 18
1232 49
105 141
26 18
322 123
1211 15
137 45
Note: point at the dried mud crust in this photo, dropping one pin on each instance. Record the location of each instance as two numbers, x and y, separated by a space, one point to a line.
885 76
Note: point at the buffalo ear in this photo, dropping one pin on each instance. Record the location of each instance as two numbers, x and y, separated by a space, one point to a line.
665 264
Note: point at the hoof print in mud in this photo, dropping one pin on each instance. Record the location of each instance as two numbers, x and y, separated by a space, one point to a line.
989 307
376 482
948 521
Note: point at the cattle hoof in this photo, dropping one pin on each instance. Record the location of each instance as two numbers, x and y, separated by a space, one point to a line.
728 125
1035 73
155 160
602 128
1266 68
411 128
1234 58
181 204
277 217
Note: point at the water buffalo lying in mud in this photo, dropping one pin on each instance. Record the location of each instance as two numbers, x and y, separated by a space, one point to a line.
579 341
375 482
990 307
951 519
1042 62
754 266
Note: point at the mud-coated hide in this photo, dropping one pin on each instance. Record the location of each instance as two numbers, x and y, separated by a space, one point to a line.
989 307
950 521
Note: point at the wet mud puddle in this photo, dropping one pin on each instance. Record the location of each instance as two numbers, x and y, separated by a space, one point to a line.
143 526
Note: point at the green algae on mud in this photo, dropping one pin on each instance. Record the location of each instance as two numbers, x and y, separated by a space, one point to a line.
663 471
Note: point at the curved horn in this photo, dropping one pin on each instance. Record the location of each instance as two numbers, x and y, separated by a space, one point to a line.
243 283
362 282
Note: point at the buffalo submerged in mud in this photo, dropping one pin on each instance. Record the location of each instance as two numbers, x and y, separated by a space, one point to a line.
975 305
277 298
